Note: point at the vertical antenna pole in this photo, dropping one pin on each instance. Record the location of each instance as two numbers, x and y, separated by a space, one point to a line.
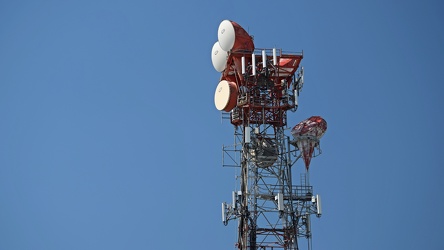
274 57
253 63
264 59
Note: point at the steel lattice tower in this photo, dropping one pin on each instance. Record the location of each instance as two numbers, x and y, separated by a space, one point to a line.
272 211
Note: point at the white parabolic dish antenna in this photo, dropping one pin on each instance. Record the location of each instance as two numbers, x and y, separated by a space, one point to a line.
226 35
219 57
225 97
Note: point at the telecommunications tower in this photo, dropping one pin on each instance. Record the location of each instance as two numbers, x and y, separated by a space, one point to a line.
256 90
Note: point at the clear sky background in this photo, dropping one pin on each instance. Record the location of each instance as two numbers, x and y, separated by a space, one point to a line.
109 138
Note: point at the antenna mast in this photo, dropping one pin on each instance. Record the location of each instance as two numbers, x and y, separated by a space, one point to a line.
256 90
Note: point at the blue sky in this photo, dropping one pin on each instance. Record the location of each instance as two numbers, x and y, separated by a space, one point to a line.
109 138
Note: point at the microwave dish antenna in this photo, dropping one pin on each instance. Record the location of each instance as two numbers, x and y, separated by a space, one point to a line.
219 57
225 97
232 37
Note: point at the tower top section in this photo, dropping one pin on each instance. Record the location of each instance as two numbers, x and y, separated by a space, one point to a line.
257 86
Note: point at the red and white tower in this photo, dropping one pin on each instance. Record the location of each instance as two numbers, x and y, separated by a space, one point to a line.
257 88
